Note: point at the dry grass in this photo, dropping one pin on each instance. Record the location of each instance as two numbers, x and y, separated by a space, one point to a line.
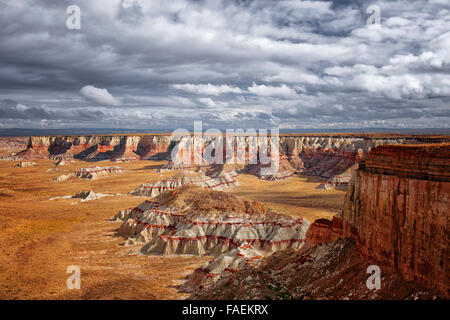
39 238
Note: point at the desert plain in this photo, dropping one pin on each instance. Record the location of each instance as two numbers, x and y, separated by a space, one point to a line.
40 238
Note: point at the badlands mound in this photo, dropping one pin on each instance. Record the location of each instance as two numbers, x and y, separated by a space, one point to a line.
204 202
197 221
85 195
184 177
91 173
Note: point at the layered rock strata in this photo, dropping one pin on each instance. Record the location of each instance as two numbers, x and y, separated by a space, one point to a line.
330 271
340 180
192 220
325 155
266 172
397 208
184 177
90 173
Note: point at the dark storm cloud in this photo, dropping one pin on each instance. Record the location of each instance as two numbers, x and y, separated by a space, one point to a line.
251 63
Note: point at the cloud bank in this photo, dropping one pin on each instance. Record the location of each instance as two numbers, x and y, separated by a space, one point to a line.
165 64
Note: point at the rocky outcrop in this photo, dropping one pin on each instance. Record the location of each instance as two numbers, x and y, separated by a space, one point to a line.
340 180
192 220
331 271
89 148
10 146
83 196
325 155
395 216
397 209
24 164
90 173
265 172
184 177
223 175
154 147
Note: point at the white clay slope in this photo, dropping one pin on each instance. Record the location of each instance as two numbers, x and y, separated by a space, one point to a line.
90 173
83 196
165 228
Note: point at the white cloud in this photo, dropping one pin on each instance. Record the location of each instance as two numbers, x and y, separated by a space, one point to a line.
269 91
208 102
100 96
21 107
207 89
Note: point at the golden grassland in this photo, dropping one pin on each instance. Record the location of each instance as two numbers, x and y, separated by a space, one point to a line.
40 238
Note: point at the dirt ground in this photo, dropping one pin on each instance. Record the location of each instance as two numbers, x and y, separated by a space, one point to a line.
40 238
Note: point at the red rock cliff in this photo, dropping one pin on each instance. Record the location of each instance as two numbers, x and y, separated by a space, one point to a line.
397 208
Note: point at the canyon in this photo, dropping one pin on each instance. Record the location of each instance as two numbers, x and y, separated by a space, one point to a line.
324 155
342 202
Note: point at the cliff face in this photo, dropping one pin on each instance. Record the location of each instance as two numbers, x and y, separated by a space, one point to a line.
399 203
322 155
395 215
397 210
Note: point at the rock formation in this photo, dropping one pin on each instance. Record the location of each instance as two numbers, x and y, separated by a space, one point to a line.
184 177
340 180
324 155
395 215
223 174
90 173
10 146
330 271
193 220
397 209
83 196
24 164
265 172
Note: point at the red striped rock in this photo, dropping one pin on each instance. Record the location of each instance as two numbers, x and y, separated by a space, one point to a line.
192 220
197 178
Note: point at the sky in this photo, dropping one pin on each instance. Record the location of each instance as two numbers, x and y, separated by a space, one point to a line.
157 64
